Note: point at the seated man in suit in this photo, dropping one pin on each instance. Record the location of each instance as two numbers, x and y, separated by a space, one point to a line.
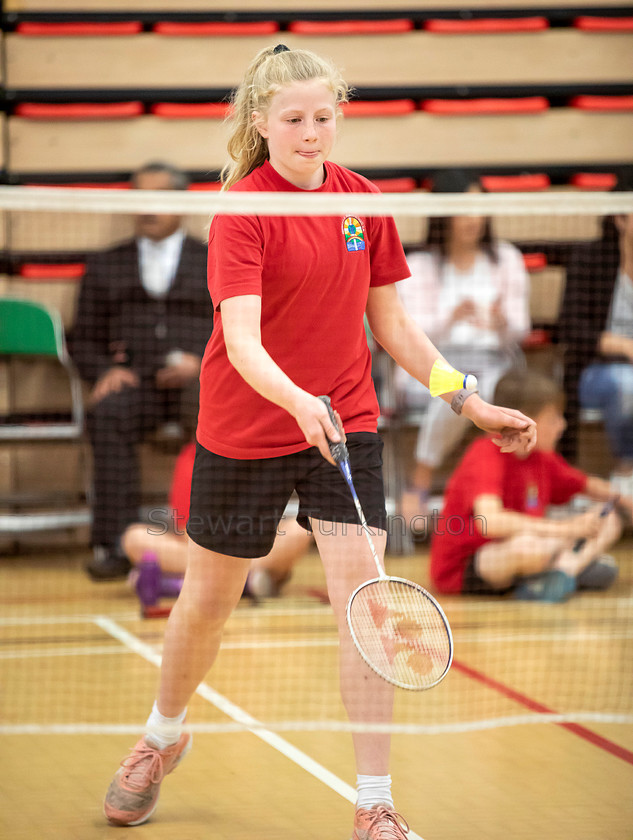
143 319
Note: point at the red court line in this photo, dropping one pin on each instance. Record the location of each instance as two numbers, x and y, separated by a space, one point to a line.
535 706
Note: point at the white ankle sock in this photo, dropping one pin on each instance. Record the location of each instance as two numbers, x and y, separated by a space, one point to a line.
373 790
163 731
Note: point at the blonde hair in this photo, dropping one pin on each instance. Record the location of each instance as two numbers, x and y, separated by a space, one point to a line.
271 69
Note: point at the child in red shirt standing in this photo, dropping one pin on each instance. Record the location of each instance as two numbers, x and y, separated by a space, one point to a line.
494 536
291 293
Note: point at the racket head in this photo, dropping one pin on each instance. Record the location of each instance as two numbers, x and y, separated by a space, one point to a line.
401 632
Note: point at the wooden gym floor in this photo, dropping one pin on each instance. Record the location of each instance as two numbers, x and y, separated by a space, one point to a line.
483 755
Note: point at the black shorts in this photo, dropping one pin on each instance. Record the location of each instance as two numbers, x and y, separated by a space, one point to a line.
236 505
473 584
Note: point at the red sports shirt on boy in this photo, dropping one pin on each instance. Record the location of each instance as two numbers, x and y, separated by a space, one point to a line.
525 485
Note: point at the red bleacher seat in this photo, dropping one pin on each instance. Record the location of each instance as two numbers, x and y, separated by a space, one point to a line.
604 24
205 186
594 180
536 338
395 185
79 110
384 108
457 107
85 185
515 183
350 27
190 110
587 102
131 27
486 25
215 28
52 271
535 262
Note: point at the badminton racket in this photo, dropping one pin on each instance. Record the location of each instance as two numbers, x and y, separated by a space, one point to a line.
398 627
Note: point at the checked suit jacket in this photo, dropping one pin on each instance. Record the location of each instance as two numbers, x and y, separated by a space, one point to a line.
118 320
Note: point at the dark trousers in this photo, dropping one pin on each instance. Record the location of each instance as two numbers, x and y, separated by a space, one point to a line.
117 425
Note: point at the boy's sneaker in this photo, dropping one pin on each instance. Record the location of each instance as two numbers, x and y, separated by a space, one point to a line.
133 793
599 574
379 823
553 586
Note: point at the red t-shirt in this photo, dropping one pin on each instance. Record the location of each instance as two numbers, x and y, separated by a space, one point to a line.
313 276
526 485
180 489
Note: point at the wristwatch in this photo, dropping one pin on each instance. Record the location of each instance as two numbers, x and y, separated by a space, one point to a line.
457 403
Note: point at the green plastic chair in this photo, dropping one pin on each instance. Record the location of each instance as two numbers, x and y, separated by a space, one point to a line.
32 330
29 329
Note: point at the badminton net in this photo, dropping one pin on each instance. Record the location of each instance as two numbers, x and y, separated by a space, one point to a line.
515 663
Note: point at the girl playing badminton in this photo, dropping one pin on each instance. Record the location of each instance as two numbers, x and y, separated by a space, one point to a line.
290 295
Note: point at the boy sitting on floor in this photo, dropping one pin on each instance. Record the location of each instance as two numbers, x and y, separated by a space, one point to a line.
493 536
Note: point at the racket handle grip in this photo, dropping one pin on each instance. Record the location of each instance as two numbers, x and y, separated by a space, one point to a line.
608 507
338 451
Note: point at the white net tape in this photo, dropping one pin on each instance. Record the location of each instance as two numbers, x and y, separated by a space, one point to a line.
312 203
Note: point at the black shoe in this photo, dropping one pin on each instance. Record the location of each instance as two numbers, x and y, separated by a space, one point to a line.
108 564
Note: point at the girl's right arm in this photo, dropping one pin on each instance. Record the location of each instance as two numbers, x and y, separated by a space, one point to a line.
241 318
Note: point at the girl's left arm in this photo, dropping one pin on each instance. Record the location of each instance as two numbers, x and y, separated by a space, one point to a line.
410 348
395 330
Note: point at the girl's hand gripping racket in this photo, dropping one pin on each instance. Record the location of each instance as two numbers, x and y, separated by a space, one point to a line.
398 628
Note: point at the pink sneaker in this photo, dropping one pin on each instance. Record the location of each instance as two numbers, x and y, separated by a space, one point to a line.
379 823
133 793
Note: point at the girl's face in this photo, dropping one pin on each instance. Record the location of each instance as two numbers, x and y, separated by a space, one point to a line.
300 128
467 231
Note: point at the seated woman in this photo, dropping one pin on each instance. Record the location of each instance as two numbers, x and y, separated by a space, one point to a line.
607 382
470 294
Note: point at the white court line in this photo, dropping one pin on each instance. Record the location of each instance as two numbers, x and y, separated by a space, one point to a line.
108 650
588 600
251 613
284 644
78 650
460 608
278 743
562 636
23 620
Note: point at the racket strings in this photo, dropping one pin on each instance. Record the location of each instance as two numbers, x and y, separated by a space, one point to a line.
400 632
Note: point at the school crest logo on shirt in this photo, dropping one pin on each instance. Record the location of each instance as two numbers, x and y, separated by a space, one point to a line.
354 234
531 497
